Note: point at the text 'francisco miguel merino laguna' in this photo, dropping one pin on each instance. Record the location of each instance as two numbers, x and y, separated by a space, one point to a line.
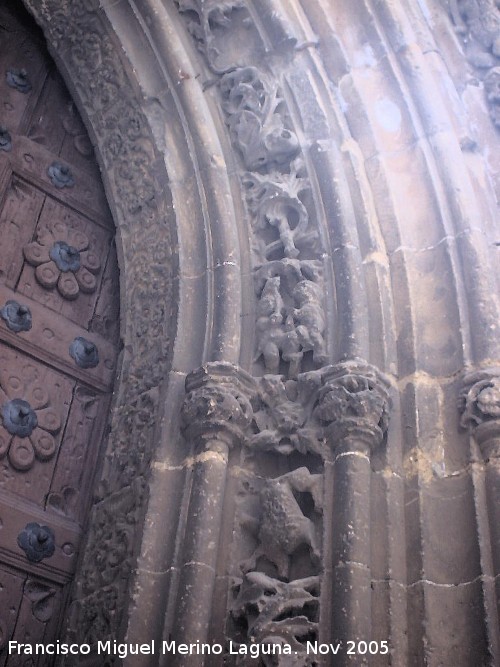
123 650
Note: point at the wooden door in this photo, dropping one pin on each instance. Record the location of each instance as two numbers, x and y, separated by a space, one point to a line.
58 334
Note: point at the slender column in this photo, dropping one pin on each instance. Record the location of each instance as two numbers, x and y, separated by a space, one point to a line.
215 414
353 406
480 404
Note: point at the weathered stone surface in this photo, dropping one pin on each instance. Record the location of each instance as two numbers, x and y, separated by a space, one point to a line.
358 224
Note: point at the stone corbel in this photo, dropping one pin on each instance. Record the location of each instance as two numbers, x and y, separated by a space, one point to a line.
353 406
480 407
215 414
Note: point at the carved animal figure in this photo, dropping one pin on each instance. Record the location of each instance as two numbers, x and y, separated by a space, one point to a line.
283 526
309 318
291 348
270 330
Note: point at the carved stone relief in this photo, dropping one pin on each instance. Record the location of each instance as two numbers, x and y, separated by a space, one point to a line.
275 595
287 267
282 414
257 118
133 173
480 403
277 612
478 24
282 526
290 337
217 27
353 405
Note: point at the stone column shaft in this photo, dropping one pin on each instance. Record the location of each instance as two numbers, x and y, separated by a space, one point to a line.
353 405
480 404
215 414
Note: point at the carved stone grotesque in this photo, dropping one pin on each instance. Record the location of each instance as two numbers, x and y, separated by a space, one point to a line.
283 527
205 18
282 413
277 612
354 406
480 407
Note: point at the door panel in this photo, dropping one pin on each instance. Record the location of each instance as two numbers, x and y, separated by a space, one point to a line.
58 335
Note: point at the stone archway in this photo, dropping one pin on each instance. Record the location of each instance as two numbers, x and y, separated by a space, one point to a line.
286 144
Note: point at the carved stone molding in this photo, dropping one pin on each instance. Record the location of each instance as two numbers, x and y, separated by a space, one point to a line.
353 405
479 404
217 405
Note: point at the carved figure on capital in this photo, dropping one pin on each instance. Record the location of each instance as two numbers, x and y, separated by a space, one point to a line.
353 405
217 404
479 404
481 401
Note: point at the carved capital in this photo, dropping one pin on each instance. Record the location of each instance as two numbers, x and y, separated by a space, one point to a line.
479 403
353 406
217 406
